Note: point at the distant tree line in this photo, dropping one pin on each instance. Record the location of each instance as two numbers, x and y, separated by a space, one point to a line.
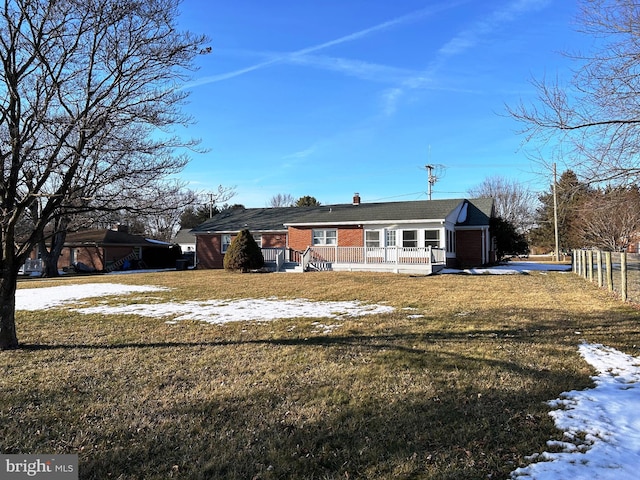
606 217
287 200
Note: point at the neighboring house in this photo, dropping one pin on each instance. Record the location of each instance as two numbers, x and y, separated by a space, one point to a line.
187 243
186 240
107 250
412 237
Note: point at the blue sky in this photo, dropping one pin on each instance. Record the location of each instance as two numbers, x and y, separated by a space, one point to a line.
327 98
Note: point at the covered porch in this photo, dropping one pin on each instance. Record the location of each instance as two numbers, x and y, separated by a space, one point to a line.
411 260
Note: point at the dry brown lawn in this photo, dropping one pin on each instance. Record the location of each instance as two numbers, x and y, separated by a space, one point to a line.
457 393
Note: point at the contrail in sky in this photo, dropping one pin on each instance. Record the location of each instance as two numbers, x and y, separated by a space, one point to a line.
410 17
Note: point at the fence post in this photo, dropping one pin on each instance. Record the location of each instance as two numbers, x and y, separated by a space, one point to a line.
599 267
590 265
578 255
584 264
579 263
623 274
607 259
574 261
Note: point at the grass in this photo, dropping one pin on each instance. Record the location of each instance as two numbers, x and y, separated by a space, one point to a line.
458 393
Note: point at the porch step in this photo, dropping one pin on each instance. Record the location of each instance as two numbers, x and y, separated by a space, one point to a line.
319 266
286 266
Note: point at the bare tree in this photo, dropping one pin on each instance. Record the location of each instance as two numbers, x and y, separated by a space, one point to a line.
89 92
281 200
610 218
514 202
159 212
594 117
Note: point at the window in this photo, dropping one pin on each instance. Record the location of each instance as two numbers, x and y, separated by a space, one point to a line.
226 241
451 241
390 238
409 238
372 238
325 237
432 238
258 239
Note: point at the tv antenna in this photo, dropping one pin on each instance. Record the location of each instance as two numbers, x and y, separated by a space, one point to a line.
434 173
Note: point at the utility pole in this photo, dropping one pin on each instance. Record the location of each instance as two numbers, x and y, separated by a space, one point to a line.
431 178
211 202
555 213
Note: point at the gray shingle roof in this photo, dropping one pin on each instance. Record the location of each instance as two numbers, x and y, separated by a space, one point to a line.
184 236
379 212
255 219
275 219
105 238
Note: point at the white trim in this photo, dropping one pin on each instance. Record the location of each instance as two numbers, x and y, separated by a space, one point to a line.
324 237
222 243
367 222
227 232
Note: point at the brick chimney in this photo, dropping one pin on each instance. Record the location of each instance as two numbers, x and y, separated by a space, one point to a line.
356 198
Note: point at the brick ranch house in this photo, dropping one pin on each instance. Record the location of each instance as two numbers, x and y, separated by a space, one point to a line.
106 250
403 237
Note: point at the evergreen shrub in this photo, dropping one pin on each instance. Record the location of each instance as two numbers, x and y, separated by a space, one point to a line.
243 254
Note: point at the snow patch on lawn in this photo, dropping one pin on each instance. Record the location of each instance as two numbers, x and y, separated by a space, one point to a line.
248 309
52 297
211 311
601 425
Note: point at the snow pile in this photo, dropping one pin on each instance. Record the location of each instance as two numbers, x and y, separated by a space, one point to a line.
601 425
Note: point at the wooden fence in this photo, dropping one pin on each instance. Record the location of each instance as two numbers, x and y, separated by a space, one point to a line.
618 272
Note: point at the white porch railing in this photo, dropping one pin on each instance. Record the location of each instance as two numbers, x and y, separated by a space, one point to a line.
280 256
284 254
32 265
379 255
356 255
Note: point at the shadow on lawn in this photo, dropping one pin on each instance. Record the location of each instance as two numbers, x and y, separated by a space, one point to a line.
442 431
255 438
557 329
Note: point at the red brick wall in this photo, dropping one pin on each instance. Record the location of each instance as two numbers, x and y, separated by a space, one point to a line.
65 259
95 257
302 237
350 237
299 238
274 240
208 251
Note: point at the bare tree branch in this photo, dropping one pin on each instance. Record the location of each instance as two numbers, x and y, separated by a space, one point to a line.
593 119
89 92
